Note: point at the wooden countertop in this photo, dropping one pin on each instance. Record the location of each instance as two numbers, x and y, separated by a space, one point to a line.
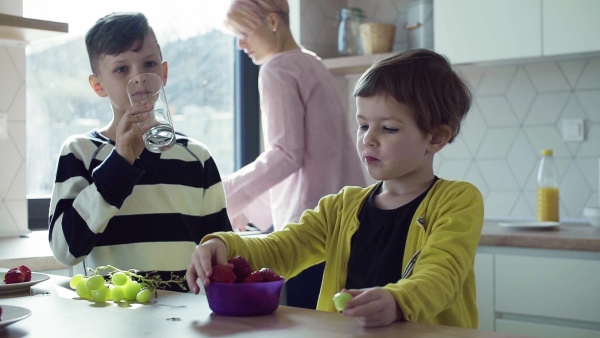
568 236
61 314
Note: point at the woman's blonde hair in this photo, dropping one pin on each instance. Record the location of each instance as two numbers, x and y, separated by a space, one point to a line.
246 15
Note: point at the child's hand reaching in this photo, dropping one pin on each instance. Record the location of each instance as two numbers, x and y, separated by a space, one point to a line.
129 142
372 307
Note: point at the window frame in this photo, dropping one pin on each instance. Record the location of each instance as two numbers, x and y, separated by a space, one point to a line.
246 121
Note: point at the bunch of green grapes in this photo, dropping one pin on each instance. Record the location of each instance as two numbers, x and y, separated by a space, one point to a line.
119 285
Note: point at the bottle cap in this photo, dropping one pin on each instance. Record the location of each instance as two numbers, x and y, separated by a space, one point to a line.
546 152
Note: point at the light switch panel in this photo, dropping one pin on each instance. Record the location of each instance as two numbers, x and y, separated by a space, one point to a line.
3 126
573 130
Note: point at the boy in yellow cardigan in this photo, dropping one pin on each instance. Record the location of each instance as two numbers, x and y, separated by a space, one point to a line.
403 247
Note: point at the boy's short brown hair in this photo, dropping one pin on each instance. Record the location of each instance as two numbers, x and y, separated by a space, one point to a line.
116 33
424 81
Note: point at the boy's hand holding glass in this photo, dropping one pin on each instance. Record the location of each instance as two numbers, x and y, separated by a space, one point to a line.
159 134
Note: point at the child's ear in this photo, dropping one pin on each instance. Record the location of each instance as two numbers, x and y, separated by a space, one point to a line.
439 139
97 86
165 66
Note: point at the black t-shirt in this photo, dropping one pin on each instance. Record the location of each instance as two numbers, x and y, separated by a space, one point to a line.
377 247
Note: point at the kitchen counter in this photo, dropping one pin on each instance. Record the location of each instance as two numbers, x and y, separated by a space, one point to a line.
568 236
58 312
34 251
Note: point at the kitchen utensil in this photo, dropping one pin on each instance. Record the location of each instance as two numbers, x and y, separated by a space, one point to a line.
12 314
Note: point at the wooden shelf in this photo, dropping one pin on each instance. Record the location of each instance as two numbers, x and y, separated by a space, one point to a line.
353 64
19 29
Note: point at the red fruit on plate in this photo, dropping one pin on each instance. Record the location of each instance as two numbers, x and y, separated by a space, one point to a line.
13 276
269 275
222 274
241 267
255 277
26 271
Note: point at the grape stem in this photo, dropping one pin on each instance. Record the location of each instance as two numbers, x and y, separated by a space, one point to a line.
150 280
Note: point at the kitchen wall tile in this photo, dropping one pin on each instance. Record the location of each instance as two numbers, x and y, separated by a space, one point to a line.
18 210
495 80
18 134
17 56
499 204
590 171
575 186
522 159
496 143
16 110
472 75
7 222
10 80
475 178
590 79
591 146
594 201
497 175
546 108
473 129
572 70
11 162
456 150
590 101
547 77
495 111
18 187
520 94
547 137
522 209
454 169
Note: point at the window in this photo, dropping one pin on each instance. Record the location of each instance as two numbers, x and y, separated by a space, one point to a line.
60 102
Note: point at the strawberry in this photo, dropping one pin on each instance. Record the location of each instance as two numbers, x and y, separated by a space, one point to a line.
254 277
241 267
222 274
269 275
14 276
26 271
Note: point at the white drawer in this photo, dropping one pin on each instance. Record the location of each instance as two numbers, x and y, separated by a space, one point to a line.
543 330
564 288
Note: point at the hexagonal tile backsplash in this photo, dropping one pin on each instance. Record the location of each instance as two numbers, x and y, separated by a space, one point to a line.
518 109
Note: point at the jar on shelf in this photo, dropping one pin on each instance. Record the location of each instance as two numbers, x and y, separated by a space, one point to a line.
349 31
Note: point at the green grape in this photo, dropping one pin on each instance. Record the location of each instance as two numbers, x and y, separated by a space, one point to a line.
340 299
95 282
117 293
101 294
120 278
131 290
75 280
82 289
143 296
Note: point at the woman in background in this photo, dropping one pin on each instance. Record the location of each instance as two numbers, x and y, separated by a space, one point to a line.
309 152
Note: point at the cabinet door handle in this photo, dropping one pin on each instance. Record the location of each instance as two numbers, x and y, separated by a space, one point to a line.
412 26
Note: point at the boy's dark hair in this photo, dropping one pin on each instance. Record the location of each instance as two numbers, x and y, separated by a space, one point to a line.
116 33
424 81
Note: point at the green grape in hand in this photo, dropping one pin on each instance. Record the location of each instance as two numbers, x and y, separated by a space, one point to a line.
340 299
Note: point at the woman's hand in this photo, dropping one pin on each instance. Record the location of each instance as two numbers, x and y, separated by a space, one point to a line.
209 253
129 142
373 307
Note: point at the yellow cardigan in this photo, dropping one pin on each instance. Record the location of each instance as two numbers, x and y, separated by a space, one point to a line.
438 284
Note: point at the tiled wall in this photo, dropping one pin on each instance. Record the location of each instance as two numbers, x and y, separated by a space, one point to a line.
13 201
518 110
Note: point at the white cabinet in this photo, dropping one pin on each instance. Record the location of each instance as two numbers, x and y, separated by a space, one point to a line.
469 31
484 279
487 30
538 292
571 26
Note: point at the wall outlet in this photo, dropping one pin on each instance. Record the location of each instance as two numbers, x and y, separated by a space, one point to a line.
3 126
573 130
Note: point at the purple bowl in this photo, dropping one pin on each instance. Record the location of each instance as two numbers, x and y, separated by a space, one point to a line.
244 299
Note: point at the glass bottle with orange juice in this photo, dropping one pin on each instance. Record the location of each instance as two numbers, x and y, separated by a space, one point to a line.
547 189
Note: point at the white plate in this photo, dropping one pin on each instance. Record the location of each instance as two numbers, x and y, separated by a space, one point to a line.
12 314
15 287
530 225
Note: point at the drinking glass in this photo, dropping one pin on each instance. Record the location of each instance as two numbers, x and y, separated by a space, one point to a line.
148 87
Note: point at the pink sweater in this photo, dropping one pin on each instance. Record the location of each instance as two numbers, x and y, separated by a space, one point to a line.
309 152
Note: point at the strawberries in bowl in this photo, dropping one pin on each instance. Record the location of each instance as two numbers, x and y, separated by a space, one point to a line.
246 293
